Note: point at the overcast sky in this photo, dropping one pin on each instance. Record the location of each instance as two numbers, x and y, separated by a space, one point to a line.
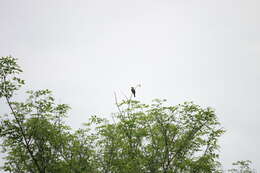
206 51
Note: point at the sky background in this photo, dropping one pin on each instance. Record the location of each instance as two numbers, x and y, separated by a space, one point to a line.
206 51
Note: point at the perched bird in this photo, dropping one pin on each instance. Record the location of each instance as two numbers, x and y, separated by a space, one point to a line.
133 91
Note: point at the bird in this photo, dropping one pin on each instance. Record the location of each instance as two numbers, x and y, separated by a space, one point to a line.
133 91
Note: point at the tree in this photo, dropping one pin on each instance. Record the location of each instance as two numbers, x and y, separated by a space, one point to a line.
141 138
158 138
242 166
33 134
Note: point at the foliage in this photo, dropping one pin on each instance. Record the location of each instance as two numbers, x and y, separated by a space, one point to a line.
141 138
159 138
34 136
242 166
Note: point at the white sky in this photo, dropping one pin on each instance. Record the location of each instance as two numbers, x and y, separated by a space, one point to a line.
206 51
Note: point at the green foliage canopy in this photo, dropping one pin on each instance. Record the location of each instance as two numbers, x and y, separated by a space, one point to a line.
141 138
